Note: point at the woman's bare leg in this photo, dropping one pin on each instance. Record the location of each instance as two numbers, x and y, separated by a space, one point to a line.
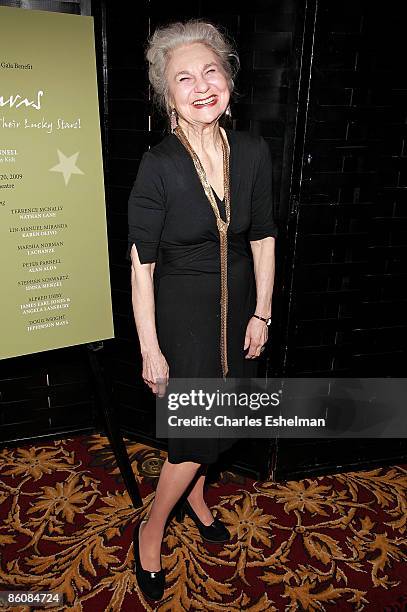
196 498
173 481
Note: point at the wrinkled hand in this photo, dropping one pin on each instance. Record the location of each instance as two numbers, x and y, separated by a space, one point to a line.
256 338
155 372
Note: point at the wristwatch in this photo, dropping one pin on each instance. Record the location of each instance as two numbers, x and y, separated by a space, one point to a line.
266 321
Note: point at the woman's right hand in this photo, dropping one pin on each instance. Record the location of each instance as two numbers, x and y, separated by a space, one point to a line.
155 371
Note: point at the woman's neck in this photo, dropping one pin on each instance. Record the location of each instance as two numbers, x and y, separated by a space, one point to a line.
202 138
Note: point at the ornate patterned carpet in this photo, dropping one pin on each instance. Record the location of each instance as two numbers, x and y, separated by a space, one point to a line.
328 543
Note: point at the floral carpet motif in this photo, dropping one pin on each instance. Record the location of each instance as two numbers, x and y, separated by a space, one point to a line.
328 543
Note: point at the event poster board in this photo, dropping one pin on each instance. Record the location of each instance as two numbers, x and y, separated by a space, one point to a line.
55 285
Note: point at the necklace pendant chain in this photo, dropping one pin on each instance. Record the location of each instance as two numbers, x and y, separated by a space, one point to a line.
222 229
222 226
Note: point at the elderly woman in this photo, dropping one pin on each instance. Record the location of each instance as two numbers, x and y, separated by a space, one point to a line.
201 244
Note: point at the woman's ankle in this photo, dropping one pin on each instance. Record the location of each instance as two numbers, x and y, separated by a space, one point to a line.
202 510
197 501
153 528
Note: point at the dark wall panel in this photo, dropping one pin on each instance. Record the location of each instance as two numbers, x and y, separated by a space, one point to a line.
46 394
350 236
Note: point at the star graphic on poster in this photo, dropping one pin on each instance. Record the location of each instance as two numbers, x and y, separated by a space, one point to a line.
67 166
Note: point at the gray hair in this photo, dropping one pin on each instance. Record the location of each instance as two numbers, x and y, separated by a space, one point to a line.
167 38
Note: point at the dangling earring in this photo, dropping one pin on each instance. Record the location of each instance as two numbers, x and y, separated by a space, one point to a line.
173 119
228 112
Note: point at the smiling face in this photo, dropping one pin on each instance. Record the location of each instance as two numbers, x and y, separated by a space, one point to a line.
198 86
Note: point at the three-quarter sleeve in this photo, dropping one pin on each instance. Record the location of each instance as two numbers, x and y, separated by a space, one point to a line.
262 219
146 210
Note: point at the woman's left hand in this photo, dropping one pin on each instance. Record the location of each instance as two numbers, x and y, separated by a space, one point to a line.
256 337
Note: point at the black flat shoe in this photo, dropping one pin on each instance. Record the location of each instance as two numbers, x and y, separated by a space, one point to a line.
215 532
152 584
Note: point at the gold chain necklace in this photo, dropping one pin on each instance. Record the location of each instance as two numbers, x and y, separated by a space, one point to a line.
222 229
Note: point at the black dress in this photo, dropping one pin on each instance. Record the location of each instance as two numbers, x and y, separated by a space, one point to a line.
172 223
